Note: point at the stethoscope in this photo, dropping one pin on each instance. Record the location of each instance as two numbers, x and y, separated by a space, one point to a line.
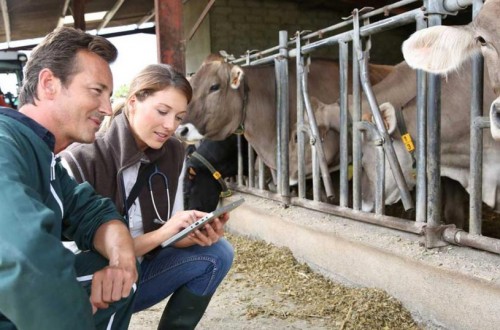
162 175
158 219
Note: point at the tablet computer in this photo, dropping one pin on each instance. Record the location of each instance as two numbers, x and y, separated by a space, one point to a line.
209 217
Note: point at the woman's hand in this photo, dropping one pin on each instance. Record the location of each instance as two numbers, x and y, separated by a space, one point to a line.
208 234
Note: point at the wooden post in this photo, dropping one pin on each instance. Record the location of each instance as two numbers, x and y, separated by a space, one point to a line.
169 33
79 14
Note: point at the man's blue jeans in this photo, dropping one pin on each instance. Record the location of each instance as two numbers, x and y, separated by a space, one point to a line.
200 269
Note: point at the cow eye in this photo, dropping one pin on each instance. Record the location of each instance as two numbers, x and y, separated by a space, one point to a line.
214 87
481 40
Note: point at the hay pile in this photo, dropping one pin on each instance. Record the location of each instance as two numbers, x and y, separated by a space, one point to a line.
303 294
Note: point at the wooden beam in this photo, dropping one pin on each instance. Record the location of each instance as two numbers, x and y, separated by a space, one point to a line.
79 14
200 19
110 14
169 33
6 20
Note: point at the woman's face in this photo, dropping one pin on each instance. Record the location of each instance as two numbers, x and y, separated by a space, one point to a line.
155 119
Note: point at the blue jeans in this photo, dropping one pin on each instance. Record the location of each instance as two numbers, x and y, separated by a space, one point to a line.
200 269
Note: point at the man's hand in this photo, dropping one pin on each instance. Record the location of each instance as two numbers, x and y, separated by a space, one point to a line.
111 284
115 281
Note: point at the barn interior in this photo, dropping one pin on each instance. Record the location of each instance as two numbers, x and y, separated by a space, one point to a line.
187 31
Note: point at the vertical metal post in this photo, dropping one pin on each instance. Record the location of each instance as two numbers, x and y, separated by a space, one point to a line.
356 134
434 141
344 149
476 143
421 184
299 61
282 122
251 153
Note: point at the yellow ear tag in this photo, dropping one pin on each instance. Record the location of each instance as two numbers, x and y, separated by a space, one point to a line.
408 142
350 171
217 175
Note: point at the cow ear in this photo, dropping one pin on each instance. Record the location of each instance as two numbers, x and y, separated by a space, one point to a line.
439 49
389 116
236 76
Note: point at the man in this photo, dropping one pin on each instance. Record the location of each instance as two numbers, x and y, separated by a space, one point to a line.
66 93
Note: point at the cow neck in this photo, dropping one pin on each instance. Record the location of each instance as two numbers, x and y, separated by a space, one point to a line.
215 174
244 91
406 138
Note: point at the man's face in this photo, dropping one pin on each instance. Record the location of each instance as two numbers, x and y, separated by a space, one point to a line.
82 104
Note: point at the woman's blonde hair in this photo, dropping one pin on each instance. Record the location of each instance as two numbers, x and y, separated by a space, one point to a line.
151 79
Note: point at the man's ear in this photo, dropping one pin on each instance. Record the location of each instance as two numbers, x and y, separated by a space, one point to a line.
48 84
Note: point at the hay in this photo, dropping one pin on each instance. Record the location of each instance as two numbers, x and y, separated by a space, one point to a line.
306 295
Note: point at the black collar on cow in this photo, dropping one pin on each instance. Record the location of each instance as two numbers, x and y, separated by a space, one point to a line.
241 127
216 174
406 138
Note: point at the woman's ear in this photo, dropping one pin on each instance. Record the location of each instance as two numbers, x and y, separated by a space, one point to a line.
131 103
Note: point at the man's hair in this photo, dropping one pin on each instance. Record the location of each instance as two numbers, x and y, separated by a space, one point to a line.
57 52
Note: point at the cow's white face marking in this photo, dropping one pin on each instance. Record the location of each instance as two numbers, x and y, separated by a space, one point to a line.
188 133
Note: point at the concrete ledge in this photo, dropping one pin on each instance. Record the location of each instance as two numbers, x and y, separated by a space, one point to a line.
451 287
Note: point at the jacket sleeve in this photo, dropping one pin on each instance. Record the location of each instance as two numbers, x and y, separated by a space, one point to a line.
37 278
84 211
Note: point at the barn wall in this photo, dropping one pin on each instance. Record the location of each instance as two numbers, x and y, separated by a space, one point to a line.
240 25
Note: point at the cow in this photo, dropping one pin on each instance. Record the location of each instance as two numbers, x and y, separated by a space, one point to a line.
202 188
442 49
227 96
398 90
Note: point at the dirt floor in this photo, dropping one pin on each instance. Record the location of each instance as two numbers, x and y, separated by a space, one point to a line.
268 289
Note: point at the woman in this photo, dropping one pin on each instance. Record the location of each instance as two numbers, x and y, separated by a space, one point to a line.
138 150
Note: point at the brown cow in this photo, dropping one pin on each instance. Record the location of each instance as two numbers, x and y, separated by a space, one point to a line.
442 49
227 96
398 90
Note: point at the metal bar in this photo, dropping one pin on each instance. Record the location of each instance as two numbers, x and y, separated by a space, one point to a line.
240 161
460 237
301 154
356 135
283 119
376 27
325 173
362 57
344 130
421 182
476 140
434 142
348 22
200 20
408 226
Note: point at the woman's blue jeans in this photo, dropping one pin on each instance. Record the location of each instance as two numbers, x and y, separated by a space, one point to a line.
200 269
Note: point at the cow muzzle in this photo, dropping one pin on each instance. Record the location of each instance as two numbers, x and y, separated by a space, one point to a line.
495 119
188 133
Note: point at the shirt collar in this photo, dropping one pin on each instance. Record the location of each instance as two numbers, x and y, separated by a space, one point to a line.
39 130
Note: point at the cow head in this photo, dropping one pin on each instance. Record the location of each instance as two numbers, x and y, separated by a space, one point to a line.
327 120
369 159
217 107
441 49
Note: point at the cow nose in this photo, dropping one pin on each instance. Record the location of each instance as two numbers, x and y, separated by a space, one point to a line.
183 131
